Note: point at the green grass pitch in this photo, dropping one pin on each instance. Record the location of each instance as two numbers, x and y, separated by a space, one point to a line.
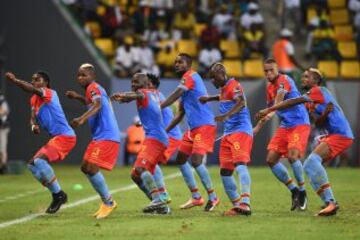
271 218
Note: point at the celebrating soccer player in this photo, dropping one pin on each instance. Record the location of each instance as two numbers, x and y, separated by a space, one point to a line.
236 144
156 141
102 152
291 137
323 105
47 113
199 140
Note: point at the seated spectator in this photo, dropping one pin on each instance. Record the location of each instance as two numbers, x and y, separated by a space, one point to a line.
184 23
146 59
165 60
143 17
127 59
154 36
210 35
207 57
291 13
254 40
224 23
324 46
252 16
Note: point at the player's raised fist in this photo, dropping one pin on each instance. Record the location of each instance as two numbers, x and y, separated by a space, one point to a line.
35 129
203 99
71 94
117 97
10 76
261 114
76 122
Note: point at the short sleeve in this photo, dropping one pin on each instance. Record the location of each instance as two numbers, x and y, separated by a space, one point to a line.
236 90
46 94
187 83
92 93
144 102
315 95
289 47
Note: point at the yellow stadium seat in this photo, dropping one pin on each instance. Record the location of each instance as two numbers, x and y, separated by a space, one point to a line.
199 27
339 16
329 68
350 69
94 28
311 13
233 68
253 68
101 10
106 45
347 49
187 46
336 3
344 33
230 48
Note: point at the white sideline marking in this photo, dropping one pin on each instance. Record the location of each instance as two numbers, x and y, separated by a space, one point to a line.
21 195
74 204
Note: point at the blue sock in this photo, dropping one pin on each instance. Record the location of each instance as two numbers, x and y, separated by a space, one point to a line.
282 174
297 168
98 182
245 183
48 177
318 177
150 185
144 189
159 179
35 172
231 189
206 180
190 179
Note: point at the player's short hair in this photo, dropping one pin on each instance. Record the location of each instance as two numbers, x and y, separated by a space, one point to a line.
154 80
187 58
270 61
317 75
88 66
215 64
44 75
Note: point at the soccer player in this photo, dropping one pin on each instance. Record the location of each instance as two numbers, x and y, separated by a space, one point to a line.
47 113
103 150
199 140
290 139
156 140
323 105
236 144
174 135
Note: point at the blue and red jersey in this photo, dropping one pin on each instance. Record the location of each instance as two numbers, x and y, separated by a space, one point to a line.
293 116
168 115
103 124
336 122
240 121
197 114
150 115
49 113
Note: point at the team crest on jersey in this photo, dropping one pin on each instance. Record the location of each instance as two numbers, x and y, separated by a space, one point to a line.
93 93
182 81
282 85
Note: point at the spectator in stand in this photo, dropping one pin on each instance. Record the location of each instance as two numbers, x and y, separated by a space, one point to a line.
143 17
254 42
291 12
184 23
165 9
210 35
127 59
4 131
224 23
284 53
165 59
207 57
135 136
252 16
154 36
146 59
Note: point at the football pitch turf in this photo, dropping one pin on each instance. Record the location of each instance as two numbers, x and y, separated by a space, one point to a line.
23 199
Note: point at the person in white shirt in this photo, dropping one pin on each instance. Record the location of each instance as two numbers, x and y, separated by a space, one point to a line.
146 60
291 12
224 23
252 16
207 57
127 59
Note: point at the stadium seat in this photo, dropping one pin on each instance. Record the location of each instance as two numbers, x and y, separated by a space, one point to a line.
94 29
106 45
100 10
233 68
344 33
339 16
187 46
350 69
230 48
330 69
336 3
253 68
199 27
310 14
347 49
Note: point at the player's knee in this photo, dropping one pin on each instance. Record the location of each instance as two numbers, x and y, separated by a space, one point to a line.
181 158
139 170
270 162
225 172
134 176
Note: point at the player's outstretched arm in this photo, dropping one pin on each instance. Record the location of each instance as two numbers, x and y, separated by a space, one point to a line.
173 97
177 119
205 99
95 107
321 120
74 95
126 96
27 87
240 104
260 124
